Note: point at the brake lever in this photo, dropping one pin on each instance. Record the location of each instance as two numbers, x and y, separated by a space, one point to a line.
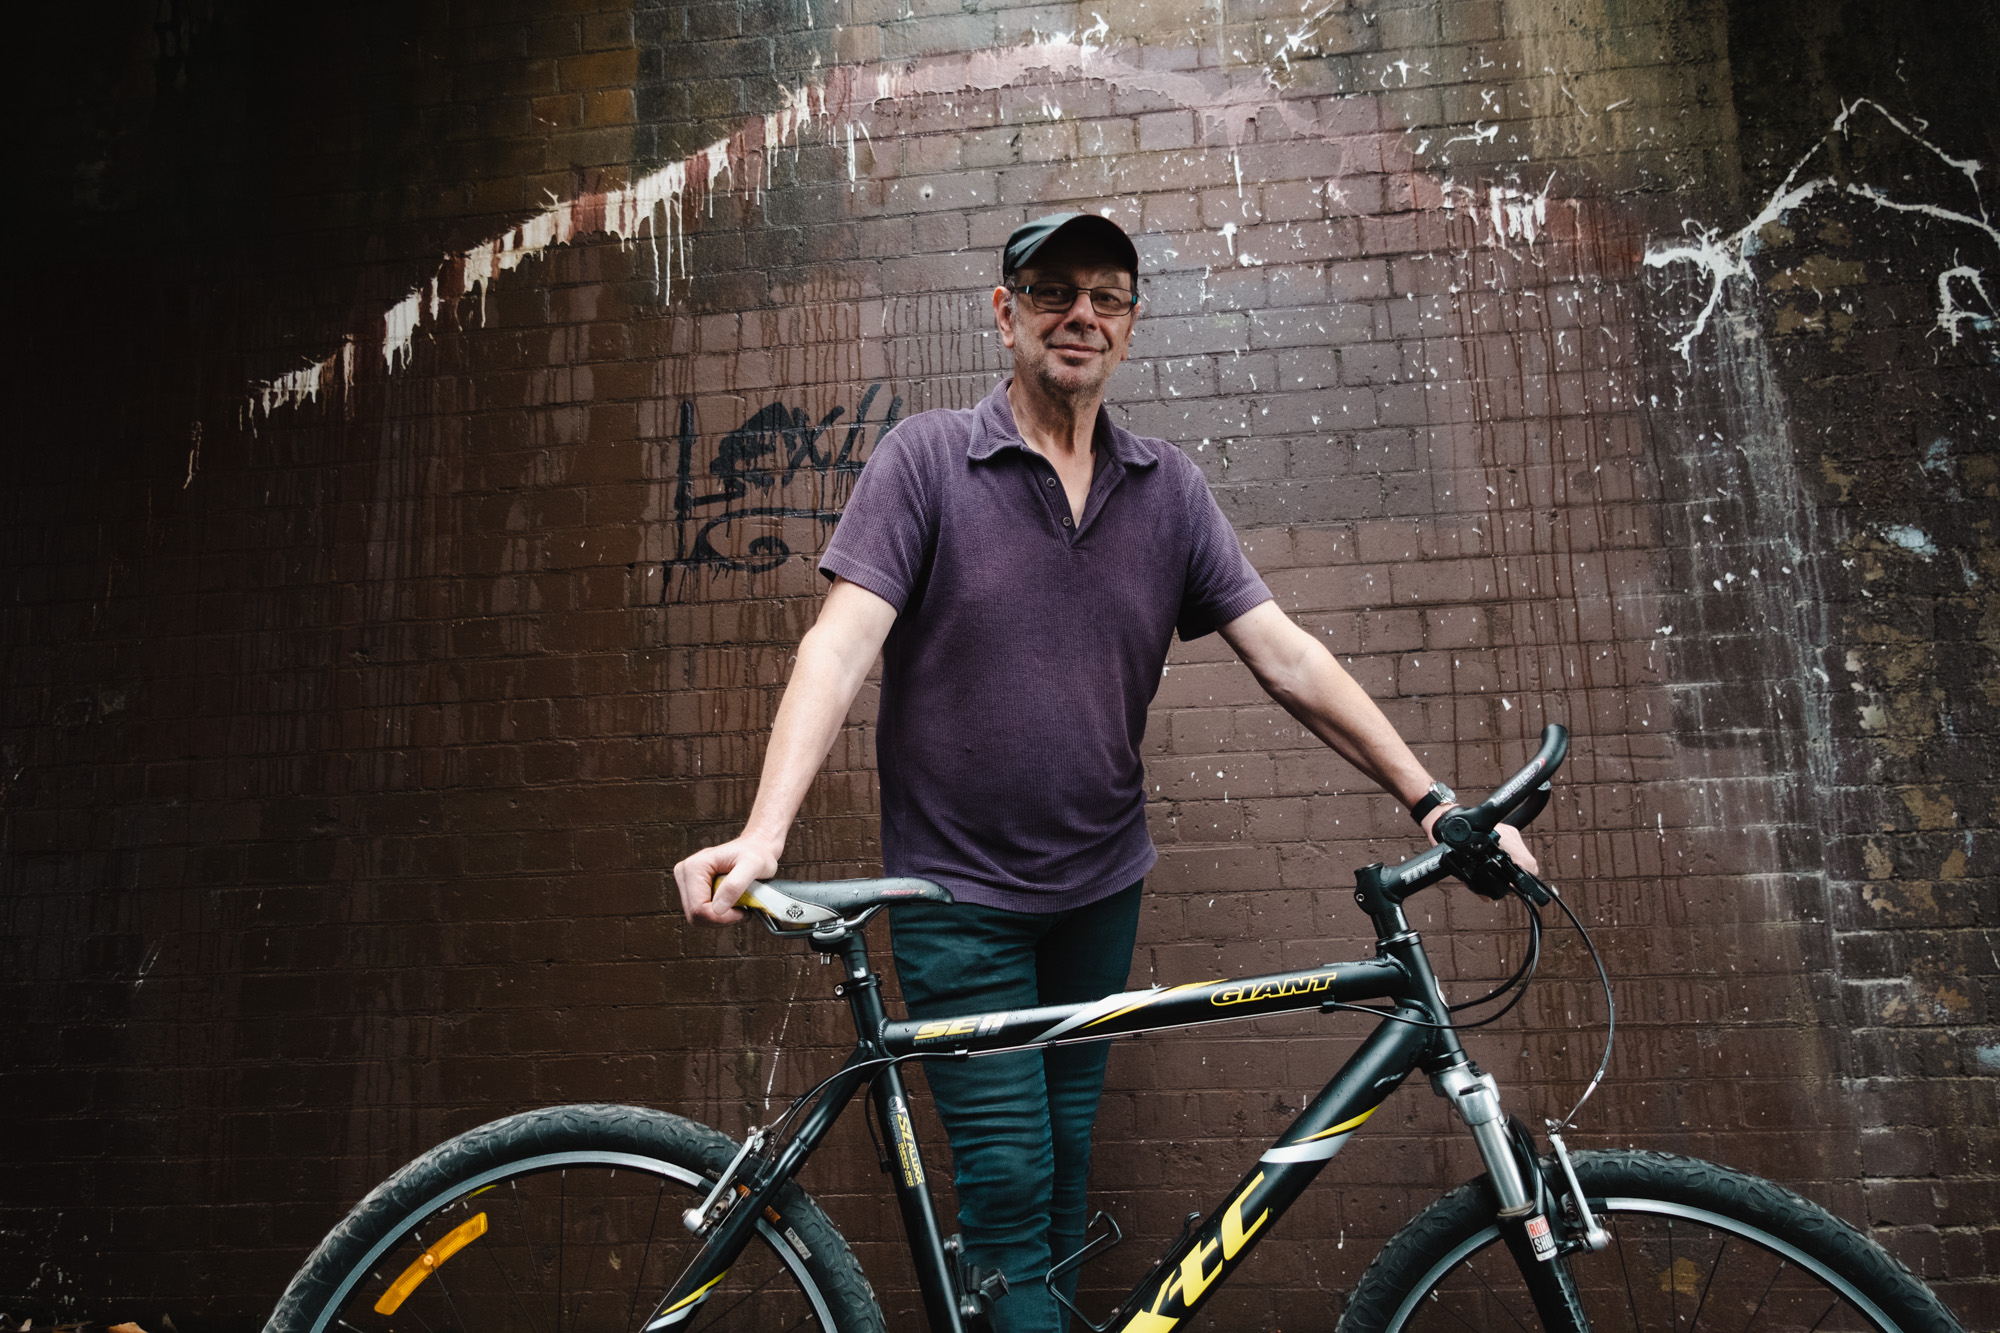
1491 873
1536 892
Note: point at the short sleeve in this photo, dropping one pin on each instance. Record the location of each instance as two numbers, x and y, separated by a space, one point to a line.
1221 583
888 522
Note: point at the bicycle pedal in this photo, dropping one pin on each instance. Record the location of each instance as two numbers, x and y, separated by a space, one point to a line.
978 1285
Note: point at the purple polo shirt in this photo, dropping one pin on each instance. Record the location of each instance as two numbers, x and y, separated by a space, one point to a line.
1026 648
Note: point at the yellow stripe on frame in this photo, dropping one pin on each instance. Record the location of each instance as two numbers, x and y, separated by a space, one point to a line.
1340 1128
697 1294
1150 999
429 1262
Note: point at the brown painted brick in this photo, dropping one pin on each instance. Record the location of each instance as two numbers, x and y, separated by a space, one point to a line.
416 659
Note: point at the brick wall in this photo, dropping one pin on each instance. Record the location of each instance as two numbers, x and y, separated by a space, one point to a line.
365 660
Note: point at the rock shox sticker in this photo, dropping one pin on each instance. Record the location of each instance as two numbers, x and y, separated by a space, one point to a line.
906 1143
1538 1237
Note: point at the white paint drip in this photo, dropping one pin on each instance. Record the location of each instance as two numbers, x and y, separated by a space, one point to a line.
304 384
658 204
1723 258
717 154
1512 214
399 328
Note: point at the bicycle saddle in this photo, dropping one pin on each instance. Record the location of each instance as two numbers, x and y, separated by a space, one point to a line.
796 903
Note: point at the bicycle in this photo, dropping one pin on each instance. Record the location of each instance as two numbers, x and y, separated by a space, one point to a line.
588 1215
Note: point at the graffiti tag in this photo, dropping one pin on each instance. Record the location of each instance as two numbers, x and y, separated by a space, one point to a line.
730 510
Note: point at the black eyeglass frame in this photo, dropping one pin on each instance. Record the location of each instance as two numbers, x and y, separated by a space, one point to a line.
1034 292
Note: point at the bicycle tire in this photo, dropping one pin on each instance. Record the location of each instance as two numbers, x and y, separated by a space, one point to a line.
537 1198
1689 1238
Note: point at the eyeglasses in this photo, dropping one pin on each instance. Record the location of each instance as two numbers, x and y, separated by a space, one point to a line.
1054 298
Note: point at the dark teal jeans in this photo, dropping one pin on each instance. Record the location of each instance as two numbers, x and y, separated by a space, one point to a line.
1019 1122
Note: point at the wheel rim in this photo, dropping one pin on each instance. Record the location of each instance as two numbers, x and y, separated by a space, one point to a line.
557 1236
1702 1283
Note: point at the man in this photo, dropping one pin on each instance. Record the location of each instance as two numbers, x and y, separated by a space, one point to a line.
1022 568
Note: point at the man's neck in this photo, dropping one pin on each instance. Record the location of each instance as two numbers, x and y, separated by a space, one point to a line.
1057 429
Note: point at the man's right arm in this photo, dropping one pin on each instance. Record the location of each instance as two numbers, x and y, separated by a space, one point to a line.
834 658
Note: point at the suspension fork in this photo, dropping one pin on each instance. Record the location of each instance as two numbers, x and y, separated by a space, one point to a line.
1520 1199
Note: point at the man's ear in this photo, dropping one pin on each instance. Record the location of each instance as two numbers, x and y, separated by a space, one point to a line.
1003 315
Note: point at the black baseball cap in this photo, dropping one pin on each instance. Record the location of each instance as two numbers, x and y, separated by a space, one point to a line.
1030 237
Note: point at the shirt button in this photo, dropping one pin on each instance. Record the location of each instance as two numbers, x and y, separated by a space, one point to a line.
1065 520
1048 481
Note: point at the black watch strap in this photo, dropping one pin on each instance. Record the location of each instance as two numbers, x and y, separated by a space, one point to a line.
1438 795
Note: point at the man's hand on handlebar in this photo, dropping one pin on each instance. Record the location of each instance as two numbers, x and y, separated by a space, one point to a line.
713 878
1510 840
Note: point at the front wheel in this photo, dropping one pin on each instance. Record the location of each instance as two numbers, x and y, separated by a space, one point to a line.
1693 1245
567 1218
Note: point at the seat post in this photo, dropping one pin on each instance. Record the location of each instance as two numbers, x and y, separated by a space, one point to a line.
860 986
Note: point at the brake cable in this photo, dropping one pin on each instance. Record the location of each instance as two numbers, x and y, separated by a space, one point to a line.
1610 1020
1518 983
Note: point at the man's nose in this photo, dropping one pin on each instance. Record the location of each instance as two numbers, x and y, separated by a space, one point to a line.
1081 308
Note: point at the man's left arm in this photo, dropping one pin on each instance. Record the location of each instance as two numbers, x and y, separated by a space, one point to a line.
1296 669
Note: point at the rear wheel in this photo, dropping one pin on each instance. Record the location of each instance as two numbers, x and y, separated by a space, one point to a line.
567 1218
1693 1245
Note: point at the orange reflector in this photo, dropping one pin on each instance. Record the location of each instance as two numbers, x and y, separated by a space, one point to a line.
429 1262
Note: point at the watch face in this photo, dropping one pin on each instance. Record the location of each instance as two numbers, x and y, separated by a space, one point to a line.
1443 793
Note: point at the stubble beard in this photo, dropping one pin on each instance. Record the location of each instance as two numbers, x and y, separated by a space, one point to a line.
1072 391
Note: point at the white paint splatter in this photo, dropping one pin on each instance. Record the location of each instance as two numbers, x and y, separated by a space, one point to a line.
1724 258
1950 313
1910 538
1481 133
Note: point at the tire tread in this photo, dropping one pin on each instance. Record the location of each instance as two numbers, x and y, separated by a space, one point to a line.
554 1129
1670 1178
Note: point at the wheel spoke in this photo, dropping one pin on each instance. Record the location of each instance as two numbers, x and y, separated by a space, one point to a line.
1456 1317
528 1243
1501 1301
1714 1267
1769 1287
1625 1270
513 1296
711 1314
1673 1276
639 1277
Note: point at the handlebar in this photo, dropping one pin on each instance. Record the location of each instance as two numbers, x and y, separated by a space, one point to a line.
1467 846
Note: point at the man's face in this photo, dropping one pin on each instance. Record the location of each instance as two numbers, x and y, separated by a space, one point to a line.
1066 355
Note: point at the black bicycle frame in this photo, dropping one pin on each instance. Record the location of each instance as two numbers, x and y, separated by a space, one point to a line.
1202 1258
1417 1034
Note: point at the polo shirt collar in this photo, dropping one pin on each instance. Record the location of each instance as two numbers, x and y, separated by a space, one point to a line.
994 430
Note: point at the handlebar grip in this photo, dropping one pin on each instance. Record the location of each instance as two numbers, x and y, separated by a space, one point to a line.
1461 826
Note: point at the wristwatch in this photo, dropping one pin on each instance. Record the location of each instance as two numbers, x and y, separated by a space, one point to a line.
1438 795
